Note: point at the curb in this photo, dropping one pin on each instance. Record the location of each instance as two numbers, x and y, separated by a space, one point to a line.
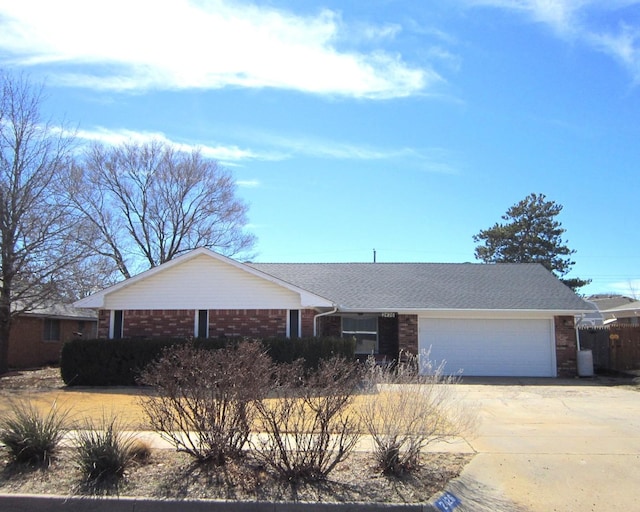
54 503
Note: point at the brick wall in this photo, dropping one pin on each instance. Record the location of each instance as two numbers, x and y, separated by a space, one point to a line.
154 323
307 322
330 326
104 317
259 323
566 346
27 348
408 333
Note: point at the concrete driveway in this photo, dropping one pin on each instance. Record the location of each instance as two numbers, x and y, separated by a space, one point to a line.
552 445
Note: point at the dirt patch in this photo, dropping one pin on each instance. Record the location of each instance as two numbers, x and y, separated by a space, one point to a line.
44 379
168 474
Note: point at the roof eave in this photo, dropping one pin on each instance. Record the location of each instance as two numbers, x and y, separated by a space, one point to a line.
555 312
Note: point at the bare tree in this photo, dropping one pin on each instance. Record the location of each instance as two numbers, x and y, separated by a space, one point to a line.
38 235
149 202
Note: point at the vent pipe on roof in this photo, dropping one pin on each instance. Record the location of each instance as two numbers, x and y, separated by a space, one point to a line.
374 255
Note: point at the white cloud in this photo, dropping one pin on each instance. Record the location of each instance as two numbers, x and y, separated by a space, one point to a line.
624 46
248 183
599 24
182 44
431 160
278 148
227 155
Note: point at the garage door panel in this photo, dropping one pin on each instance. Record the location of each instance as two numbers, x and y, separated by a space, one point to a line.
490 347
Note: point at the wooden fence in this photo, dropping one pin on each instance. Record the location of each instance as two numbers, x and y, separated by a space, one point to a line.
614 347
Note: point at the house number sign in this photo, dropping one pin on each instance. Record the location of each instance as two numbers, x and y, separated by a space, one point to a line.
447 502
388 315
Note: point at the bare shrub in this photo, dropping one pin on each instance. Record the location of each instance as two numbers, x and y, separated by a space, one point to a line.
31 437
405 410
307 427
204 403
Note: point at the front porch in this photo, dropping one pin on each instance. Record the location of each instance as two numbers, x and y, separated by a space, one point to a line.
381 335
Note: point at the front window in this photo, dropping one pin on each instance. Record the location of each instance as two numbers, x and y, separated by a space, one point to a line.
202 323
117 323
51 329
365 331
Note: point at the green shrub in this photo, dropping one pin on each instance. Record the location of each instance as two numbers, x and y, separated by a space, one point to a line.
30 437
108 362
311 350
120 362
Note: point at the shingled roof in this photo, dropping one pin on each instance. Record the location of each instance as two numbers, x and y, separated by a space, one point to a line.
440 286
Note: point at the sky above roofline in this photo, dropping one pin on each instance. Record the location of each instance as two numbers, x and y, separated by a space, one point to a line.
401 126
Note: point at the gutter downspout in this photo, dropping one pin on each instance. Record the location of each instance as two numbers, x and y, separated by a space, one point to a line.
315 319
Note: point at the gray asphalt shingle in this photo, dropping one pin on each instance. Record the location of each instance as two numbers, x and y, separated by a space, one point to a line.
430 285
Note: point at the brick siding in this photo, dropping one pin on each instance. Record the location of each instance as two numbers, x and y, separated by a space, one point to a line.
156 323
408 333
566 346
27 347
330 326
259 323
104 317
307 322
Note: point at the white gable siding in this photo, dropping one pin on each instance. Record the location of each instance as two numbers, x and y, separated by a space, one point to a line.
203 283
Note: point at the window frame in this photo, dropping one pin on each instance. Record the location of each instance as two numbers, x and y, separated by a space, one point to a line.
291 322
51 331
116 328
362 334
199 313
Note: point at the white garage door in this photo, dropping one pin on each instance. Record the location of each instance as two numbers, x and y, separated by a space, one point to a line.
517 348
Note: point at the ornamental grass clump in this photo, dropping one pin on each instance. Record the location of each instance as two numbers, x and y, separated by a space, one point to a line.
103 451
308 427
408 406
204 403
31 437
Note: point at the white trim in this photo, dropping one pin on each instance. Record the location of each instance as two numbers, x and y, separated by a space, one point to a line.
112 323
196 317
467 313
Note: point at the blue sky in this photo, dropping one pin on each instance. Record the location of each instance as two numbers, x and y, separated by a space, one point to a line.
402 126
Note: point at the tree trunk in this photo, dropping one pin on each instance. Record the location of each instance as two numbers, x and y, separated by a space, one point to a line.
5 330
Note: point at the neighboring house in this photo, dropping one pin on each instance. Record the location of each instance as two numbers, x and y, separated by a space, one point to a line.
504 319
628 314
616 308
37 336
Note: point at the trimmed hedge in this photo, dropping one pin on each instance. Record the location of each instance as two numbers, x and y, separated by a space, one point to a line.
119 362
